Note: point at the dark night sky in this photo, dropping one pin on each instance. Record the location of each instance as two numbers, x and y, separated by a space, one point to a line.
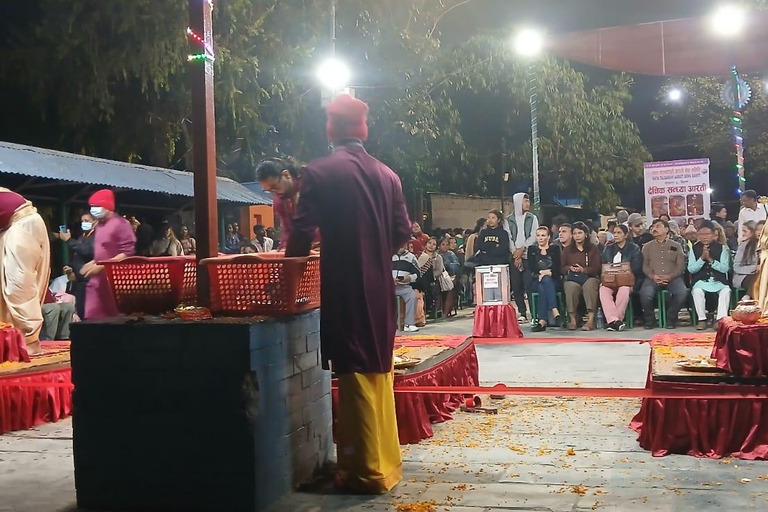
560 16
569 15
553 16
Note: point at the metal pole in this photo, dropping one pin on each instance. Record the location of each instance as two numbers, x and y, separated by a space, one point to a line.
333 28
503 171
738 135
203 143
532 86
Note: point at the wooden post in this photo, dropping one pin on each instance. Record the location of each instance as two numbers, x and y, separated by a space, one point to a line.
203 141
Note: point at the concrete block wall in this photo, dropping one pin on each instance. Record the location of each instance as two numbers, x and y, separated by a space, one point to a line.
224 415
294 405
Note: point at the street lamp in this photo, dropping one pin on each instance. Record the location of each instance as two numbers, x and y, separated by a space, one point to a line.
675 94
529 43
334 75
728 20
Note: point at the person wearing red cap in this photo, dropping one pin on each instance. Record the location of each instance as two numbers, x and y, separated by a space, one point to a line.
358 204
25 266
114 239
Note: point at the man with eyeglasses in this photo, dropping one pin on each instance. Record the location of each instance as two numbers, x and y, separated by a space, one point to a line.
281 178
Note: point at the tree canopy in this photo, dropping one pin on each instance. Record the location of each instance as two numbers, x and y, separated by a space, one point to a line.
707 120
110 79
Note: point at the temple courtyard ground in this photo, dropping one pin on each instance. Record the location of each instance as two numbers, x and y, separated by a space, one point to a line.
537 454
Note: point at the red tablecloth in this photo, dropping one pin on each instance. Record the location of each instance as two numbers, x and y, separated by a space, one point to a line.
417 412
496 322
12 346
703 428
32 399
742 349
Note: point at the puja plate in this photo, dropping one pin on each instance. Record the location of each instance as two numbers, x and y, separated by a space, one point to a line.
699 365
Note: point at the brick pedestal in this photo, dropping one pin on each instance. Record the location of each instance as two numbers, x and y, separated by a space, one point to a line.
222 415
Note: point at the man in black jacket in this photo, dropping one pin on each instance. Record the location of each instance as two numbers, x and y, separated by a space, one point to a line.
82 252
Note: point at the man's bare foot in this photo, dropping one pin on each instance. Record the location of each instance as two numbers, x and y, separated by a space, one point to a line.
34 348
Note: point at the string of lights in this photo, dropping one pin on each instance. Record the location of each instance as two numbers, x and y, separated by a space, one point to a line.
207 54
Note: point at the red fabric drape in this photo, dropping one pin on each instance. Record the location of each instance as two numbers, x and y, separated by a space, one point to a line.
702 428
12 346
742 349
32 399
496 322
417 412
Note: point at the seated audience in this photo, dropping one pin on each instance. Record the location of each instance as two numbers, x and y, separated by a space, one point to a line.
746 263
637 232
165 242
544 263
580 264
709 265
564 235
231 240
260 240
188 243
405 272
470 245
663 267
731 236
615 301
57 316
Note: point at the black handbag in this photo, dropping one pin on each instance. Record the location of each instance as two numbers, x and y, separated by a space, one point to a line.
577 277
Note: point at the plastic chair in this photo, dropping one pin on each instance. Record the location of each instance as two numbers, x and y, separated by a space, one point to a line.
535 306
736 295
661 304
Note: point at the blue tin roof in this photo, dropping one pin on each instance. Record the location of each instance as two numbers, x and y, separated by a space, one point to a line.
60 166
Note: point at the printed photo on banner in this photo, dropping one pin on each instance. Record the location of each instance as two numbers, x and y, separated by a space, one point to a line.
678 188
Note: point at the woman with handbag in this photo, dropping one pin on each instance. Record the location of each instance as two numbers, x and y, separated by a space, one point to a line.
580 263
622 268
452 269
544 262
441 282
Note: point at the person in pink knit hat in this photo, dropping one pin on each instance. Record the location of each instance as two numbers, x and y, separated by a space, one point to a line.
114 239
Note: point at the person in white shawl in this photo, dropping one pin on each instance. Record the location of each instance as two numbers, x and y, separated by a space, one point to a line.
521 226
24 266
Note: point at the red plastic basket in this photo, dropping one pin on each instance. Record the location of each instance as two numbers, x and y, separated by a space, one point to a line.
263 284
152 285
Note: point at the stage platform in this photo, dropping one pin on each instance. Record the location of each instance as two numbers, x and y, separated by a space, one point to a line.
36 392
700 427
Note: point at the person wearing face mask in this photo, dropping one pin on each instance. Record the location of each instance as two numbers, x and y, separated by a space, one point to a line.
113 239
82 252
24 266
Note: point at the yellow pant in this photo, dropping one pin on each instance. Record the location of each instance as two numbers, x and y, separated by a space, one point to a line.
368 449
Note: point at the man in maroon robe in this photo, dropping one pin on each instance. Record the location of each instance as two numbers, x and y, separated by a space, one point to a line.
358 204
